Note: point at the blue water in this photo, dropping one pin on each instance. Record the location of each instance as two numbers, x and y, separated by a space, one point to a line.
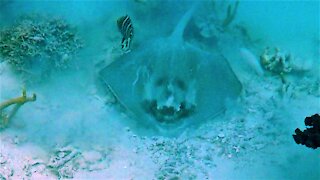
199 106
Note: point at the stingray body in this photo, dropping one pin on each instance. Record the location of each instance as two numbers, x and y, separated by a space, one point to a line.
168 83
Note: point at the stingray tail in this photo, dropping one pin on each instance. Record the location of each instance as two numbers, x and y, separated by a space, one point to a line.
179 29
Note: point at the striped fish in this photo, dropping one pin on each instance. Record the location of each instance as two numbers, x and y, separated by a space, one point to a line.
126 29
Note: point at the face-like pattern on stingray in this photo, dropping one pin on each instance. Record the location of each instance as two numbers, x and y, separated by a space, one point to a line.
169 90
169 99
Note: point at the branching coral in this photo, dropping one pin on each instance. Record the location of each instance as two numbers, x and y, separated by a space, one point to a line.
231 14
38 41
18 102
215 18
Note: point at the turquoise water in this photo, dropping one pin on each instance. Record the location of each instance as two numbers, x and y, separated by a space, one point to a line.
196 95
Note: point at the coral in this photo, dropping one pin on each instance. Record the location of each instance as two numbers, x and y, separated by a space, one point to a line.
284 65
38 41
277 62
231 14
18 102
214 20
311 136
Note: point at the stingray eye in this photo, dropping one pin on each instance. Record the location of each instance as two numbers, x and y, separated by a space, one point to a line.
180 84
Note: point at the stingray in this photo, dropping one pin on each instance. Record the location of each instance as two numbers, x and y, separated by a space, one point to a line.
168 83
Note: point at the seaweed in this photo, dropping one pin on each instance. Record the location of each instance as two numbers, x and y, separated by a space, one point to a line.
18 102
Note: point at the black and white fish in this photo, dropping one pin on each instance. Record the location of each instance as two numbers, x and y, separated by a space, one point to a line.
126 29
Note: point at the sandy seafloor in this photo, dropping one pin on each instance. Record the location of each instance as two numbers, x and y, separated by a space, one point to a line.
76 122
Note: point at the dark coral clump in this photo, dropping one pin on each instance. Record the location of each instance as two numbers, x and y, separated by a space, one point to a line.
310 137
35 40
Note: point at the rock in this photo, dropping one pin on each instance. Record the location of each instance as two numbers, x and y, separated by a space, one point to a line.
92 156
221 135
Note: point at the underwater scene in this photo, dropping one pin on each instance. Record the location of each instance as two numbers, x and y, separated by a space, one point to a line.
160 89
